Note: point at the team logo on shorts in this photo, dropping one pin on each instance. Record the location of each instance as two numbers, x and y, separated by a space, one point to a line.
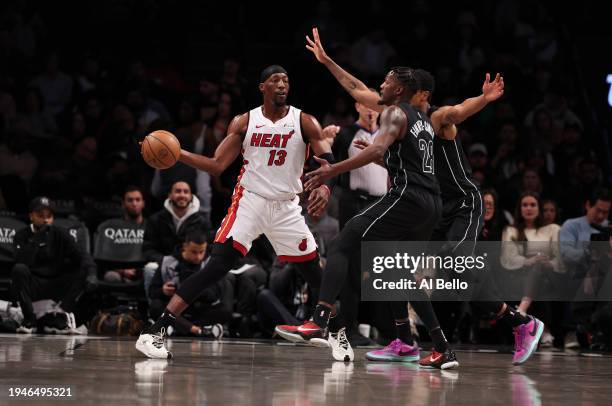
303 244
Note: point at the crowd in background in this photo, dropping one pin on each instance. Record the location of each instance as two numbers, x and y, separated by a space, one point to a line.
72 111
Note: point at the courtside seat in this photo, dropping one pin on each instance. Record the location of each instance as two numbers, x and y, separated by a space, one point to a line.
77 230
8 227
118 244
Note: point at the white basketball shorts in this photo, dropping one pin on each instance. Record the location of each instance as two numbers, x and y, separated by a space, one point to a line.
281 221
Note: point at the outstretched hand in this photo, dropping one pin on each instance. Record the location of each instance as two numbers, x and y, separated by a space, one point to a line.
317 177
493 90
314 45
330 131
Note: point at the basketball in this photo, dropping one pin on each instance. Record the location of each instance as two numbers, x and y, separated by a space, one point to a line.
160 149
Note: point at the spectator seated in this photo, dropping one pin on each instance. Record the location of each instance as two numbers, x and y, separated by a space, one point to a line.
214 306
48 264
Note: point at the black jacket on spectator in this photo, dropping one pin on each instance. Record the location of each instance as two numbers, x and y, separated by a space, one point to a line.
161 234
50 252
174 269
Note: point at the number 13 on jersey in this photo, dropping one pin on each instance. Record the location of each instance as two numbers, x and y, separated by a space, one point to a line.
277 157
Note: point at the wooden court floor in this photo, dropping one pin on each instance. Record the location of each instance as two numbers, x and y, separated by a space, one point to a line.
108 371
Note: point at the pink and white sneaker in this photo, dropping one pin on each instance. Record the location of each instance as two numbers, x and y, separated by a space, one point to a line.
526 338
397 350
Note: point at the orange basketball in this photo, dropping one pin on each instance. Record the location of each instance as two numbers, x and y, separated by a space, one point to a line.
160 149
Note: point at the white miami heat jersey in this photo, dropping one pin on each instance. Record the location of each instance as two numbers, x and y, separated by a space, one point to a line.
274 155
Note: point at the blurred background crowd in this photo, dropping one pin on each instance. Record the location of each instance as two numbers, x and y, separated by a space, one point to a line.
81 85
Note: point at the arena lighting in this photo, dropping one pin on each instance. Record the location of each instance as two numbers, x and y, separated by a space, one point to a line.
610 91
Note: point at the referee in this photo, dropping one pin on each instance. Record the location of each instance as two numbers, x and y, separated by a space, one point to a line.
362 186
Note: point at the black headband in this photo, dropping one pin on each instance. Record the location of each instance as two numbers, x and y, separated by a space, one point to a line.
271 70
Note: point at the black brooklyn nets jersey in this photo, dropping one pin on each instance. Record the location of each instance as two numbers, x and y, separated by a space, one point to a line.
452 169
410 161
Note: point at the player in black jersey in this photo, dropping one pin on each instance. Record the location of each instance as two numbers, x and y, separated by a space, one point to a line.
462 213
409 211
462 203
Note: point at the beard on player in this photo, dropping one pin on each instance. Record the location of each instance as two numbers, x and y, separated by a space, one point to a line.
280 98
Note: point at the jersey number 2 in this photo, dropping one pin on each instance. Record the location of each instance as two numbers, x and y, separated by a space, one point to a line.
277 157
428 155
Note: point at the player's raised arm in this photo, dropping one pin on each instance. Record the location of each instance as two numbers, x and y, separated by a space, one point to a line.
356 88
225 153
449 115
393 123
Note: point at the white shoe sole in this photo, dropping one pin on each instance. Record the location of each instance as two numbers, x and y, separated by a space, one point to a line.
318 342
53 330
143 349
450 365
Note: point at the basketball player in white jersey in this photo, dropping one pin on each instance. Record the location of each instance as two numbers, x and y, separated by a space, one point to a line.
274 140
